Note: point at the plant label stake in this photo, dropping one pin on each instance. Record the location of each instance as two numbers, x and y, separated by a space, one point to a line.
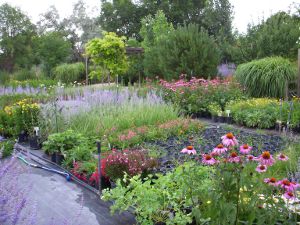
99 164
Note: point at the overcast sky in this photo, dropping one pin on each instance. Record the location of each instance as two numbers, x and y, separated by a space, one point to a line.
244 11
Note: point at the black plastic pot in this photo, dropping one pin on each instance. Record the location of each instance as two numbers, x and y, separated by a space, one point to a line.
229 120
59 158
34 143
214 118
23 137
221 119
53 157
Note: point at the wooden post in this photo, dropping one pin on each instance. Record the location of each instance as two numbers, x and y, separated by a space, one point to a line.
99 165
298 89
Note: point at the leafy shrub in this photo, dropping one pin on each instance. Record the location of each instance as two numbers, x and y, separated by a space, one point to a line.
68 73
266 77
64 142
23 74
4 77
25 114
261 113
195 96
163 199
189 50
264 112
131 162
6 148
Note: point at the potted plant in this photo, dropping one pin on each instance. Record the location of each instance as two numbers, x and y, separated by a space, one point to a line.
215 110
228 116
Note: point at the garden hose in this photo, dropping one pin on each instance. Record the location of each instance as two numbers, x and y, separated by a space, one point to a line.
67 175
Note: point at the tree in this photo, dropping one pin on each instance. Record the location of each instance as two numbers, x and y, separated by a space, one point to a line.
52 49
276 36
187 50
108 53
152 31
124 16
16 33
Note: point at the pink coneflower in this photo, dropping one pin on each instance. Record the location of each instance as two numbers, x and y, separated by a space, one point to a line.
251 158
234 158
229 140
288 185
208 159
261 168
189 150
282 157
271 181
266 159
245 149
289 195
219 149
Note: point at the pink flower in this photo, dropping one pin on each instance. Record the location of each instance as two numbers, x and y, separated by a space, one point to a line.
251 158
208 159
288 185
261 168
234 158
266 159
282 157
189 150
271 181
219 150
245 149
229 140
289 195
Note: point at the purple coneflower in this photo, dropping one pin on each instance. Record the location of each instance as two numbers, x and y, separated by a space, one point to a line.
245 149
219 149
229 140
207 159
266 159
189 150
282 157
261 168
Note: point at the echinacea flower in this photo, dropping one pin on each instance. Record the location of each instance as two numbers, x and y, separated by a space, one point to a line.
229 140
189 150
282 157
208 159
271 181
234 158
219 149
266 159
288 185
289 195
245 149
251 158
261 168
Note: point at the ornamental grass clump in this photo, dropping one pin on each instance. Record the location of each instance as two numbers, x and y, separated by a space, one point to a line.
266 77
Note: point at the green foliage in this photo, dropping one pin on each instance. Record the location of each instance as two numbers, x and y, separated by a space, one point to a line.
266 77
6 148
52 49
213 15
197 100
187 50
269 38
64 142
109 53
68 73
261 113
25 114
4 77
16 34
166 199
23 75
